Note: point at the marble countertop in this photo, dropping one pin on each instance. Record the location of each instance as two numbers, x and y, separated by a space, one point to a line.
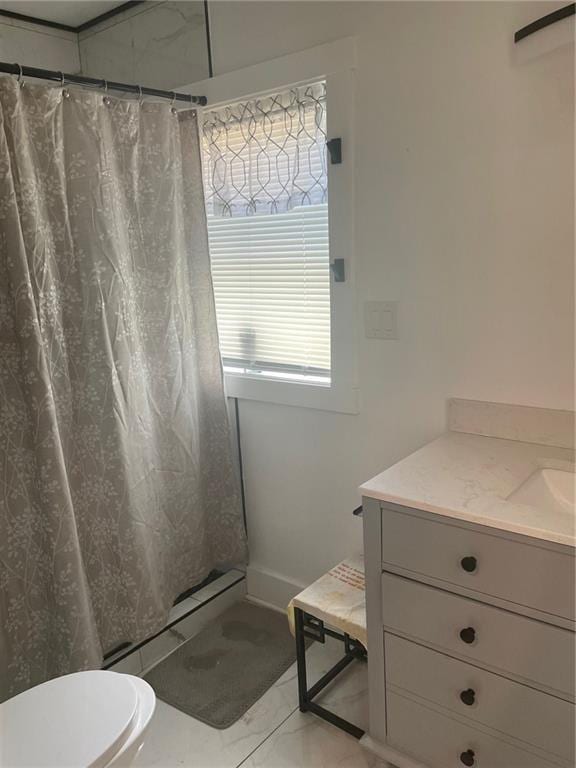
470 477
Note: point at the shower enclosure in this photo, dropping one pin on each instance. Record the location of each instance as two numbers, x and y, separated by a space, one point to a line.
117 484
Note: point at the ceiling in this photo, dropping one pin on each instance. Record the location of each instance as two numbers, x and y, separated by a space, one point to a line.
70 12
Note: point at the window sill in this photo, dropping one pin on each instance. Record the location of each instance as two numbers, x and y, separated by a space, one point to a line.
298 394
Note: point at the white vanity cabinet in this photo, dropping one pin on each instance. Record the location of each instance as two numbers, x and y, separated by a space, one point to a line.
471 643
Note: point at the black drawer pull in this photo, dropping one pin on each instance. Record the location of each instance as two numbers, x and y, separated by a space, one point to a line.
468 697
469 564
468 757
468 635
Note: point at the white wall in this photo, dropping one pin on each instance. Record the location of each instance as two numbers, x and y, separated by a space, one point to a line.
36 46
162 45
465 203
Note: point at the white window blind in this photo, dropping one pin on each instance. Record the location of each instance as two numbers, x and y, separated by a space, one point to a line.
272 290
270 256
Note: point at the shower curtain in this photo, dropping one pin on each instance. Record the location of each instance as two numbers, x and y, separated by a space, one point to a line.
118 489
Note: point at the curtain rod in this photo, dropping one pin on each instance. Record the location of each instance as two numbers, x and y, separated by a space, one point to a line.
62 77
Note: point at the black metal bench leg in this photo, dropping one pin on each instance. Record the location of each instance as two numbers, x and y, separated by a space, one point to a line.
306 695
301 659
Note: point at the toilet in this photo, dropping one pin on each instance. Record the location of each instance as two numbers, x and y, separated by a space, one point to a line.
91 719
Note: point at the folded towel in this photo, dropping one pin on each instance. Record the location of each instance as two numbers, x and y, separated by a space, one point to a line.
338 598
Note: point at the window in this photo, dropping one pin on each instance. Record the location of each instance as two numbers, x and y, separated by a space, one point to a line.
267 204
278 216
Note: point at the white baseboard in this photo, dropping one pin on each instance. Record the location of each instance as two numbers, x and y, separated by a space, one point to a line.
256 601
270 588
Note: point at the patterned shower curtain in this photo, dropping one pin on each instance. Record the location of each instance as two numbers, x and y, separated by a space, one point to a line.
117 484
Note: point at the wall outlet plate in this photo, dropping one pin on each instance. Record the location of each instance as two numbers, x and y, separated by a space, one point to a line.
381 320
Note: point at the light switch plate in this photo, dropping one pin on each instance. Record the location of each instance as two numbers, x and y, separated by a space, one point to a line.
381 319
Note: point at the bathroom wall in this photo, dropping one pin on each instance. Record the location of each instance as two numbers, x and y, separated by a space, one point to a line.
465 204
37 46
464 215
162 45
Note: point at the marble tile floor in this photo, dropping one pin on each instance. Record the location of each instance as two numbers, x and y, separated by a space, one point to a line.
273 733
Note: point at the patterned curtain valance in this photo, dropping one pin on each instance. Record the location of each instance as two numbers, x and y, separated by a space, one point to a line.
267 155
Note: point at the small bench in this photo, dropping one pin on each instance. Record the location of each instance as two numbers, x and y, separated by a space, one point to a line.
332 606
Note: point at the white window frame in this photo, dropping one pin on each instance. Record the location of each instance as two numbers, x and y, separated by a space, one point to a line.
335 63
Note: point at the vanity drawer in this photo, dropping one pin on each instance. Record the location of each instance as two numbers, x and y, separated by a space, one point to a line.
440 742
519 572
507 642
517 710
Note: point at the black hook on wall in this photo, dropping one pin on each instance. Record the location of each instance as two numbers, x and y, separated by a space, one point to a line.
545 21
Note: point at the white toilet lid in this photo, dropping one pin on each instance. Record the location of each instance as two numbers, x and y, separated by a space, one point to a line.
79 720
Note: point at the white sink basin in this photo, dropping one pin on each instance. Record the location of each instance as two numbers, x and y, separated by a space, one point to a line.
550 490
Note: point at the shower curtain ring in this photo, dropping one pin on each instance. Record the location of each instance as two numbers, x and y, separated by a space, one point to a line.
20 73
106 99
139 94
62 80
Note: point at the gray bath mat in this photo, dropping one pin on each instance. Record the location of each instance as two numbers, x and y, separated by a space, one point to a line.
217 675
